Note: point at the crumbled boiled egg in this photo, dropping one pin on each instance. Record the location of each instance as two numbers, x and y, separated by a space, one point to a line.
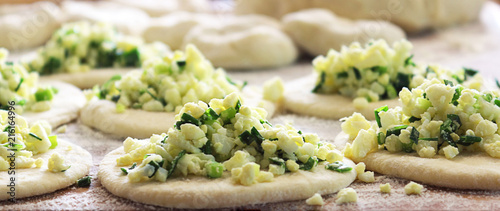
346 195
316 199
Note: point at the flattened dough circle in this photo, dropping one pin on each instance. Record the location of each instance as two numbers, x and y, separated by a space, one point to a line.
65 107
299 99
87 80
201 192
37 181
466 171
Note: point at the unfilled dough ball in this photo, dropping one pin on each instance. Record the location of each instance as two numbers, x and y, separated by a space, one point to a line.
411 15
157 8
171 29
128 20
318 30
28 25
245 42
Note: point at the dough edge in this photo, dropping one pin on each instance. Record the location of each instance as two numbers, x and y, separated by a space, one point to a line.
201 192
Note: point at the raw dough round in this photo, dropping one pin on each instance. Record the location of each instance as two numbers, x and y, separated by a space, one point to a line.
37 181
201 192
319 30
246 42
137 123
172 28
156 8
127 19
65 106
299 99
466 171
87 80
411 15
28 25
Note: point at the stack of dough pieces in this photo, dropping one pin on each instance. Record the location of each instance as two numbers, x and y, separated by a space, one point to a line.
411 15
319 30
241 42
28 25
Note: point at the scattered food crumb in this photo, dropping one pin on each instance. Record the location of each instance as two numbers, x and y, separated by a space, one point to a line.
385 188
315 200
413 188
346 195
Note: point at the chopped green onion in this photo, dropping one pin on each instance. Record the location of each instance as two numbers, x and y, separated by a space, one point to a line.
115 98
456 96
403 80
66 169
265 122
7 128
44 94
237 106
428 139
124 170
84 182
338 166
407 147
19 85
320 83
35 136
181 63
468 140
448 82
409 61
357 73
377 117
207 148
497 102
414 119
187 118
209 117
310 163
227 115
498 83
488 97
414 135
459 80
174 162
156 166
214 169
380 138
391 91
249 137
396 130
15 147
429 70
470 72
53 142
380 69
342 75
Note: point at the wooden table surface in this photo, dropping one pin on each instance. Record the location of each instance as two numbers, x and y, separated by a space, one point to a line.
475 45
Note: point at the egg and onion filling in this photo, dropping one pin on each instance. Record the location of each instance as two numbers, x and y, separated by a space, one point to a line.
226 136
166 84
437 117
82 46
378 71
17 85
29 141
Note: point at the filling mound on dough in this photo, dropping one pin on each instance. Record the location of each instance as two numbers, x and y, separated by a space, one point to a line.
224 135
378 72
166 84
81 46
19 142
437 117
21 87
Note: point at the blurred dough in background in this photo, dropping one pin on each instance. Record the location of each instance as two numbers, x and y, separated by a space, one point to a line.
319 30
243 42
127 19
28 25
171 29
411 15
156 8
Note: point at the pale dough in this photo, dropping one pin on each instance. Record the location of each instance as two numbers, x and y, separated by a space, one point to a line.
172 28
466 171
128 20
319 30
156 8
138 123
37 181
65 106
87 80
299 99
412 15
247 42
203 193
28 25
